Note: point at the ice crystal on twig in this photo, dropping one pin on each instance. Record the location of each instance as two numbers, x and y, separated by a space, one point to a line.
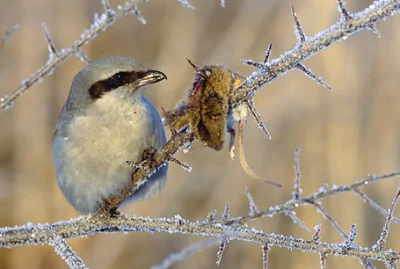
7 35
312 76
300 35
252 205
380 244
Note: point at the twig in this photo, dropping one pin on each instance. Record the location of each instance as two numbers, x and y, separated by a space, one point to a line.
380 244
7 35
378 11
265 251
374 205
88 225
62 248
100 24
185 253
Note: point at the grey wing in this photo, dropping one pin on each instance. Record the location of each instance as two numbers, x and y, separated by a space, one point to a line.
157 181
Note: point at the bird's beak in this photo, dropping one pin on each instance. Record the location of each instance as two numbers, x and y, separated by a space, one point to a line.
150 77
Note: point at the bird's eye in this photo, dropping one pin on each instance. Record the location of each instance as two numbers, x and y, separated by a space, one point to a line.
120 76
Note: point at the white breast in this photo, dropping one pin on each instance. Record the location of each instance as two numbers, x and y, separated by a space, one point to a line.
90 163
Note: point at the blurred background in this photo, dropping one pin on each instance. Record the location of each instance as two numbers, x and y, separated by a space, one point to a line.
343 136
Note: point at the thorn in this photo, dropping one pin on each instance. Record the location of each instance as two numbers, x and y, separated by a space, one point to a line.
322 260
253 63
51 46
226 214
297 221
375 30
296 167
252 205
257 116
267 53
301 37
183 165
84 58
107 8
220 252
265 251
349 242
243 162
317 235
210 219
343 10
311 75
197 69
7 35
138 15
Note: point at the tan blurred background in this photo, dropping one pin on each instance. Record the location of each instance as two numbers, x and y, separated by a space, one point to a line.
343 135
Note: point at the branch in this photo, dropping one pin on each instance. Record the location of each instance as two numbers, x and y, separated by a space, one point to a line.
378 11
89 225
100 24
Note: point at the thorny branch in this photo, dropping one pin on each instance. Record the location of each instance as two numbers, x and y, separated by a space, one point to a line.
88 225
268 71
228 228
100 24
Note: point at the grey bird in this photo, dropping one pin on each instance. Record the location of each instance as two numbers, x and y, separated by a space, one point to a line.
105 122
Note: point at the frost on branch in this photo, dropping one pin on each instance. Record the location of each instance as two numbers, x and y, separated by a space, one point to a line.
300 35
380 244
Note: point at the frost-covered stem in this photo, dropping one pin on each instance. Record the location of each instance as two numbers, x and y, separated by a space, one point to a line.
378 11
62 248
296 167
297 221
306 201
88 225
64 54
185 253
374 205
380 244
6 36
160 157
252 205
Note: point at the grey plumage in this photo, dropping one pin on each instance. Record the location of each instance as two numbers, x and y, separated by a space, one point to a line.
104 122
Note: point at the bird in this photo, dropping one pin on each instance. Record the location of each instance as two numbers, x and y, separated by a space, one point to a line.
105 122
